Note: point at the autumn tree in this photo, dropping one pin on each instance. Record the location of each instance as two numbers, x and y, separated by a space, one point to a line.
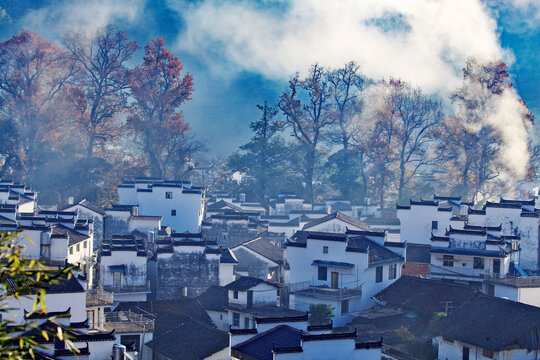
32 73
472 141
99 88
262 161
346 166
307 109
159 89
415 116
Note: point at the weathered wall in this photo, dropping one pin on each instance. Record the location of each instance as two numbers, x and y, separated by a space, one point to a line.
116 223
252 264
178 270
229 233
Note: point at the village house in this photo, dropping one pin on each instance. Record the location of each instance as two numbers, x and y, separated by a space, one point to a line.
95 213
259 258
215 300
505 224
524 289
285 203
180 204
489 327
342 270
335 222
123 268
249 298
291 337
232 228
66 302
185 264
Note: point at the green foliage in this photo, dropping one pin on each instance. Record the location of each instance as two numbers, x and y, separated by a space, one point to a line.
320 314
344 168
25 278
264 161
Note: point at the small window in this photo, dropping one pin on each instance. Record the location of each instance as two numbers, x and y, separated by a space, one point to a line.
344 306
220 316
323 273
325 249
173 212
71 250
168 195
236 319
478 263
392 271
79 247
84 244
434 225
448 260
246 323
378 274
497 266
235 294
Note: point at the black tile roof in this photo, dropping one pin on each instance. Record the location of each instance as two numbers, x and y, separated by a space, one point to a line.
63 285
260 346
215 298
75 237
418 253
376 253
178 337
227 257
340 216
183 306
245 283
425 295
493 323
265 248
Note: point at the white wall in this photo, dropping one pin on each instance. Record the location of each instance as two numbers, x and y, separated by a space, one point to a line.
334 225
416 223
135 268
226 273
454 350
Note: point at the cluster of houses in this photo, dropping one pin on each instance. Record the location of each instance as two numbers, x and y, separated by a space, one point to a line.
171 272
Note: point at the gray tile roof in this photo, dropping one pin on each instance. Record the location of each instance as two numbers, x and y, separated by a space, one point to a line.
340 216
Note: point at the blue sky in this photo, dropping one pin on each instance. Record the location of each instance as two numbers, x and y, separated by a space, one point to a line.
241 53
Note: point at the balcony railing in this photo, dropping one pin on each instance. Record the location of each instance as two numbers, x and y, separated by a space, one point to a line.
128 322
127 288
97 297
524 281
307 288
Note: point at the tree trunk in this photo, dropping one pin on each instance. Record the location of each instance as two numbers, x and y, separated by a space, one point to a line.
90 148
310 169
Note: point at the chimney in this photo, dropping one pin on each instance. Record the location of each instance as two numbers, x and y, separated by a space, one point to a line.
242 197
70 200
463 210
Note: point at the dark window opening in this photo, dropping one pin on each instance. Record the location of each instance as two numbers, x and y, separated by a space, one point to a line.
478 263
325 249
236 319
344 306
173 212
323 273
168 195
246 323
235 294
378 274
392 271
434 225
465 353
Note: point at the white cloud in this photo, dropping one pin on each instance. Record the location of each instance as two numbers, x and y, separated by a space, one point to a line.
279 40
423 42
54 20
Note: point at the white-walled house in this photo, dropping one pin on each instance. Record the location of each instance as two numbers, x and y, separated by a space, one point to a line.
291 338
488 327
336 222
343 271
524 289
66 301
423 220
94 212
123 269
251 298
179 203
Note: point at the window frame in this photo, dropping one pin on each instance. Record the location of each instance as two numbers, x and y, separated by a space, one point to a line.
246 322
168 195
235 319
320 272
379 274
325 249
434 225
344 306
479 263
235 294
448 260
173 212
392 271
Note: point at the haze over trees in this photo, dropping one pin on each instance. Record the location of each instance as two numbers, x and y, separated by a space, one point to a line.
78 117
